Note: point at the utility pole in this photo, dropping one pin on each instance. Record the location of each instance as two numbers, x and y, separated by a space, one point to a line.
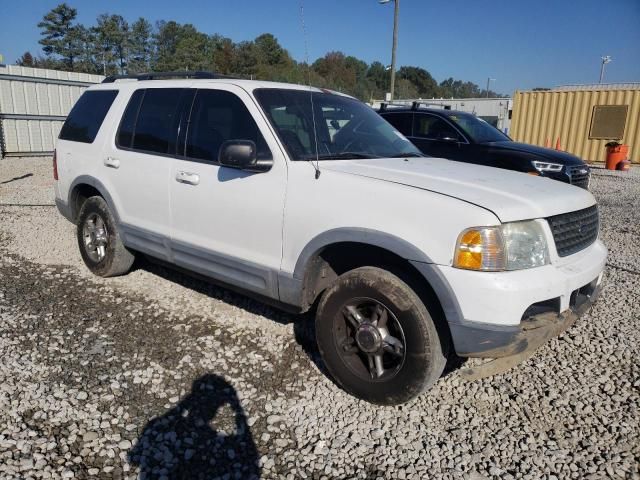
606 59
396 11
489 79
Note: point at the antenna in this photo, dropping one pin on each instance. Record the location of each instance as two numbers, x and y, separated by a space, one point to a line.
316 166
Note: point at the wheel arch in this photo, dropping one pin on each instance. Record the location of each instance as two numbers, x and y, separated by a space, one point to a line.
84 187
331 253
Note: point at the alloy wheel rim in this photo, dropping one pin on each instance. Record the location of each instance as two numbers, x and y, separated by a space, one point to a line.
369 339
95 237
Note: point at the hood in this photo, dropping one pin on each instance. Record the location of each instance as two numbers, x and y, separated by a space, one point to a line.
511 196
547 153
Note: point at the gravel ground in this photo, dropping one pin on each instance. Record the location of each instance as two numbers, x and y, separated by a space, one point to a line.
157 375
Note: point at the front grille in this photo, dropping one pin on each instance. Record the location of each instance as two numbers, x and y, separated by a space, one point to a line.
574 231
579 176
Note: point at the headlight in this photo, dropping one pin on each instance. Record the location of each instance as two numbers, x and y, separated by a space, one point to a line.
511 246
547 167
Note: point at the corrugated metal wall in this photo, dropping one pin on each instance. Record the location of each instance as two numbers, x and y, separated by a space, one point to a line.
33 105
542 115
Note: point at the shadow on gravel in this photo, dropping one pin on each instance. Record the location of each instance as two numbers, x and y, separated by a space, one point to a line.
21 177
201 285
205 436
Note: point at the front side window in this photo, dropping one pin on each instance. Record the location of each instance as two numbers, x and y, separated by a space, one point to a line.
434 128
86 116
328 126
218 116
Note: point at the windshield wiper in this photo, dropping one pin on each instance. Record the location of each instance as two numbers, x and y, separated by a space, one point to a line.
341 156
408 154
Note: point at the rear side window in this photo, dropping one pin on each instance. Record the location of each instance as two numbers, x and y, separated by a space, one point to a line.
156 127
87 115
216 117
128 123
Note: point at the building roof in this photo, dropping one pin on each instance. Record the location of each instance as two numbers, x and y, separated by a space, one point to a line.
599 86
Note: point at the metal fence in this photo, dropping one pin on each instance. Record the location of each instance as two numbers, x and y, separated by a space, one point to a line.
34 103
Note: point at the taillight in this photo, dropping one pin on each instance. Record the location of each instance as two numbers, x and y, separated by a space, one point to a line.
55 166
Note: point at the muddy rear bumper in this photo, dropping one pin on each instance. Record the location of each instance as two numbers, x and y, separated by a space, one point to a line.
511 346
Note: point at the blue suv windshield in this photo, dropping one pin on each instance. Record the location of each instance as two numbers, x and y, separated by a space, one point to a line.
330 126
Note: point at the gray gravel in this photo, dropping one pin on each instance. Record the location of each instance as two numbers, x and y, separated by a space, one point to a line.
156 375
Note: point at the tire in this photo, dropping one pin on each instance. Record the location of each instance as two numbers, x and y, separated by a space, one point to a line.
347 346
113 258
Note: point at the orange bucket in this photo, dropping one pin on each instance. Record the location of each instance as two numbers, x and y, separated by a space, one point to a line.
616 154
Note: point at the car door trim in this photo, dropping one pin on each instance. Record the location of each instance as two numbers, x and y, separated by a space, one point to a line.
225 268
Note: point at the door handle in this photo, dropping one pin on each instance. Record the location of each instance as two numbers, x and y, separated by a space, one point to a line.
112 162
188 178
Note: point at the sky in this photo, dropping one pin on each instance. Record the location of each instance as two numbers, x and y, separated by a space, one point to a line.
522 44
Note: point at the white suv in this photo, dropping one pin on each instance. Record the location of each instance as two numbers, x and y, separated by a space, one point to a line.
307 198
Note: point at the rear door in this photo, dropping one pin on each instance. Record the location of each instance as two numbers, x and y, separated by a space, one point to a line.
140 162
227 223
82 136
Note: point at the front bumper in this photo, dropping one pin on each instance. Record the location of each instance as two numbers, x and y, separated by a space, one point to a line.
519 345
508 315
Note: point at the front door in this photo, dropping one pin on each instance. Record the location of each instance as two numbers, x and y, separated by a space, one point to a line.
438 138
227 223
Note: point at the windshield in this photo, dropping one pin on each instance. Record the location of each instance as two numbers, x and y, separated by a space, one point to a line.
476 128
344 128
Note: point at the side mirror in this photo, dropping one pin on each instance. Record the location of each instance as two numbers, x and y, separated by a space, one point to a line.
242 154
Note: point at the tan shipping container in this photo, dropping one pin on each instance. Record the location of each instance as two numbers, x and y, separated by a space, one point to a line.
568 113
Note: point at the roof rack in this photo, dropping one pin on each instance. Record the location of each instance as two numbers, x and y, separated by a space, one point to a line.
416 105
385 105
164 76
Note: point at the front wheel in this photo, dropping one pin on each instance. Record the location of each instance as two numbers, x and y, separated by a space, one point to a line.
377 338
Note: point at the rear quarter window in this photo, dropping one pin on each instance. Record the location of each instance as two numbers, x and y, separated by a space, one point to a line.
86 116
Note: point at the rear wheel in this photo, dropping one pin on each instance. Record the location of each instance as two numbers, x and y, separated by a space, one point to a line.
377 338
99 241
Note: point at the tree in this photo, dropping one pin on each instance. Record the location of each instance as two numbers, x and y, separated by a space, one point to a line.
221 54
180 47
86 60
406 89
425 85
338 73
60 35
112 39
269 51
245 61
191 50
26 60
379 76
140 46
113 46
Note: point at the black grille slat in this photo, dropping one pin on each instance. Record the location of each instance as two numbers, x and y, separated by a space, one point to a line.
579 179
574 231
